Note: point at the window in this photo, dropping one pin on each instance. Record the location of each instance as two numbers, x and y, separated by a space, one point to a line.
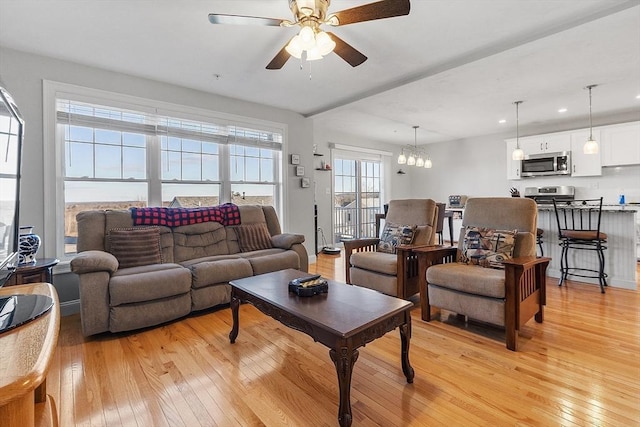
116 157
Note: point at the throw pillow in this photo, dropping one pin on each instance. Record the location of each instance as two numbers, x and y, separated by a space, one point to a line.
487 247
135 246
394 235
253 237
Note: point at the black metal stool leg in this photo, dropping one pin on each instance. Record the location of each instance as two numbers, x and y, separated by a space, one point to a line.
564 267
601 276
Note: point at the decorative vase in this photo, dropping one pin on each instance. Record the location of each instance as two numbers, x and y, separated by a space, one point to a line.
28 245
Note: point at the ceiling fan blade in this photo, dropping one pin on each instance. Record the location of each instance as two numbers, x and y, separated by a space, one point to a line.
219 18
369 12
280 59
347 52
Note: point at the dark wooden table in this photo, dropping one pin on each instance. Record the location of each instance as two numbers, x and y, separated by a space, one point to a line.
34 272
344 319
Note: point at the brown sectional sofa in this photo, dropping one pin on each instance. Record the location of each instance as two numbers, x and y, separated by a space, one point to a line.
198 261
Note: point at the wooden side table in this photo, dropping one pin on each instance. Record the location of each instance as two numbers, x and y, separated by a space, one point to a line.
25 356
39 272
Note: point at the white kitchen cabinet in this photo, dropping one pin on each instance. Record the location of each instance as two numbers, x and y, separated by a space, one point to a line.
584 164
548 143
513 166
620 144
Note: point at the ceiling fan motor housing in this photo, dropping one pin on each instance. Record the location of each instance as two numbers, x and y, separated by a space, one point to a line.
304 10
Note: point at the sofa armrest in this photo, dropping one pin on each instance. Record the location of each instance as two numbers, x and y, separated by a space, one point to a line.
92 261
286 240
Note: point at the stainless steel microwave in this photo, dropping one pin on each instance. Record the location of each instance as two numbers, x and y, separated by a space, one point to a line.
544 164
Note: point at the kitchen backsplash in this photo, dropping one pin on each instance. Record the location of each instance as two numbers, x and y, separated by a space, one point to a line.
613 182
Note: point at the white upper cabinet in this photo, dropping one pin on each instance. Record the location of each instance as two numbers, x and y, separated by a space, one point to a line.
620 144
513 166
584 164
548 143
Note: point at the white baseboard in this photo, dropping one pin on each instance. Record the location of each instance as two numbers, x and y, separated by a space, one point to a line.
70 307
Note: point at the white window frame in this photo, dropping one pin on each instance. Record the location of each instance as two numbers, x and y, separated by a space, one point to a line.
53 150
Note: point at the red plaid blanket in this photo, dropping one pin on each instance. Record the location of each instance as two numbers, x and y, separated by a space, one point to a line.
227 214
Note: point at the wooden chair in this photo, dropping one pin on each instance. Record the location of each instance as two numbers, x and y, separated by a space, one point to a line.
508 297
393 274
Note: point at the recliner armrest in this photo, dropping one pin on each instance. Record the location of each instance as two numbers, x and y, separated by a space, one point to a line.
286 240
92 261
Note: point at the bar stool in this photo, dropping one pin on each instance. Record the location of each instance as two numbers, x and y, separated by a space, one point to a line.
539 233
579 228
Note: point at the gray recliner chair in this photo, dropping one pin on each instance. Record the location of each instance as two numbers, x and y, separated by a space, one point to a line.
506 297
394 274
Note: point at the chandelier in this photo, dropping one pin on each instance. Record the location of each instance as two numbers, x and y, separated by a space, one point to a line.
416 156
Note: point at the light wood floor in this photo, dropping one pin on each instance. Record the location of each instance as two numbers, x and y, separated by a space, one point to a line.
581 367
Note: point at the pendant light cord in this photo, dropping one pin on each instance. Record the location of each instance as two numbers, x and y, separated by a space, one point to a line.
590 122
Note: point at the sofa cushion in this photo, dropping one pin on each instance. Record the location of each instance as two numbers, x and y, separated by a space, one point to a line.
147 283
380 262
199 240
466 278
394 235
487 247
253 237
273 260
222 270
135 246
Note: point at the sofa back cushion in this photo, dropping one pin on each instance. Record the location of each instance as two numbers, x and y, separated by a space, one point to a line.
199 240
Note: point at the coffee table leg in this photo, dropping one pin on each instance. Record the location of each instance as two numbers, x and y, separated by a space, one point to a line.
344 366
405 338
235 305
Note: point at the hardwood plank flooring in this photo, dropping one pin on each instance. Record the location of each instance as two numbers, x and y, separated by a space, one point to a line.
581 367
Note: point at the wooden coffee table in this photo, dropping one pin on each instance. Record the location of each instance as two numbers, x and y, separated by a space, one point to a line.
344 319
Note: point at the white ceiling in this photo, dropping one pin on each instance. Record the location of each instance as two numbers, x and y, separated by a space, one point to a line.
452 67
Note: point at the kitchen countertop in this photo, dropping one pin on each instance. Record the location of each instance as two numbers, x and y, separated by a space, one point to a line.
605 208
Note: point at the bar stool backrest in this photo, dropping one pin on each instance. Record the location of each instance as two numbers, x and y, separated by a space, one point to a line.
581 216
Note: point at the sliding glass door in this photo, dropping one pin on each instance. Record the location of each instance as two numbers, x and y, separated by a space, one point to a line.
357 197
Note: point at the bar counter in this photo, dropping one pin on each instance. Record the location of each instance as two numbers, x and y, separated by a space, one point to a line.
619 222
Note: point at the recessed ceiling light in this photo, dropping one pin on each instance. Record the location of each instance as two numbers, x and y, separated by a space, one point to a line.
638 96
562 110
502 121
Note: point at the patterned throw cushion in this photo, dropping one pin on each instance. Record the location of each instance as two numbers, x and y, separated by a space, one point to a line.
487 247
394 235
253 237
135 246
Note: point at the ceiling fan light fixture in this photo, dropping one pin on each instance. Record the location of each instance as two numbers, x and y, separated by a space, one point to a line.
293 48
313 54
307 38
324 43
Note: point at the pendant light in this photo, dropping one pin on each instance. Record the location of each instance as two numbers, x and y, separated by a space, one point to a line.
411 161
591 146
517 154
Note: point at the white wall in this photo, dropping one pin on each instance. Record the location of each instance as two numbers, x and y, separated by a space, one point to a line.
23 73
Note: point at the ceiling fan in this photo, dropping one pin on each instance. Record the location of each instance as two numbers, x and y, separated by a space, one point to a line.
312 42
